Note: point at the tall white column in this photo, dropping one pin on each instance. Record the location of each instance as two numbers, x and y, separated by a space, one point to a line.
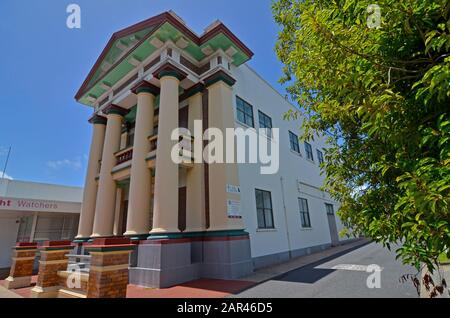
195 201
106 196
90 185
220 115
138 219
165 211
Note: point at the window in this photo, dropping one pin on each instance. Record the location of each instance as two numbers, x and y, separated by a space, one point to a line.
264 209
244 112
319 156
130 137
330 209
304 212
293 140
309 152
265 122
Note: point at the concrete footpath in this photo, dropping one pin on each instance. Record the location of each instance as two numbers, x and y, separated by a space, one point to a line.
4 293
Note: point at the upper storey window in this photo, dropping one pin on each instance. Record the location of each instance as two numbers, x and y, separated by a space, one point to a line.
265 122
309 152
244 112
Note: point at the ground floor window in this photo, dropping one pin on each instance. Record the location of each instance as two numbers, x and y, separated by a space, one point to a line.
304 212
56 227
264 209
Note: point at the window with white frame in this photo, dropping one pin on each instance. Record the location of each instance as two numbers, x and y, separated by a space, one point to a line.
244 112
319 156
293 140
304 213
308 151
264 209
330 209
265 122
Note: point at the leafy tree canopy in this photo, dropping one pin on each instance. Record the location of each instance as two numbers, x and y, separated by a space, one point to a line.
381 91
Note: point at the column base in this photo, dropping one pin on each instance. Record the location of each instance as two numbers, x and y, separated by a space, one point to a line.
17 282
45 292
164 262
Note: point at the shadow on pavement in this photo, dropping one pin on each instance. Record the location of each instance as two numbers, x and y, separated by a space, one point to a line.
309 274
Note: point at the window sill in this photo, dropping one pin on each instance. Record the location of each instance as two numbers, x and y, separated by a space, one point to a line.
269 137
265 230
306 229
244 125
311 161
297 153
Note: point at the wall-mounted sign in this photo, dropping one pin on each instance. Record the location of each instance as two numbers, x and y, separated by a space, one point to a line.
233 208
16 204
233 189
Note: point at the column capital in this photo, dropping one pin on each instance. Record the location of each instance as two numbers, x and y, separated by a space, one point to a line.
97 119
168 69
191 91
145 87
115 109
220 75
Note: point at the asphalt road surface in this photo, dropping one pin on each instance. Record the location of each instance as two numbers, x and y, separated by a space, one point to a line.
343 275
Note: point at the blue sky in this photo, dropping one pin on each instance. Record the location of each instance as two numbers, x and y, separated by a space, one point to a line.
43 63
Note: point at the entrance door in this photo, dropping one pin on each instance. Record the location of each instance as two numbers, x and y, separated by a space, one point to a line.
183 117
124 209
182 209
332 224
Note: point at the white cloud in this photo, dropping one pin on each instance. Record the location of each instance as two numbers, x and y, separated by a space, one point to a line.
74 164
6 176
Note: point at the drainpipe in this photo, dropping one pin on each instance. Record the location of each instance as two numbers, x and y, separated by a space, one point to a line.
286 218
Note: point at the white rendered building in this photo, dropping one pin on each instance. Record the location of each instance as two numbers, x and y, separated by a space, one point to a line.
194 219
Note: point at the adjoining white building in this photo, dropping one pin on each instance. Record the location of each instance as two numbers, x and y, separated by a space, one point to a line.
195 219
34 212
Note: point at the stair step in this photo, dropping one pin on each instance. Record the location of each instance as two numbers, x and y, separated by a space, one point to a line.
68 293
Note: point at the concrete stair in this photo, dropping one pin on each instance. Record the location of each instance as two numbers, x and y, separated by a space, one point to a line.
74 280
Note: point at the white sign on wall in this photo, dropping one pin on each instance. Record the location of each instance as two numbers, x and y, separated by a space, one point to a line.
233 189
234 208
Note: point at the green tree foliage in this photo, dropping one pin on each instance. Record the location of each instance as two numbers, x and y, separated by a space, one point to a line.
382 94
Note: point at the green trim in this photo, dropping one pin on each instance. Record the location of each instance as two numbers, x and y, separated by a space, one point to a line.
98 120
163 236
191 91
220 76
137 237
111 248
225 233
145 90
180 235
143 49
81 240
172 73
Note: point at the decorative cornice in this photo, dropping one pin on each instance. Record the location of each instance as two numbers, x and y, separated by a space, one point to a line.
114 109
191 91
220 75
145 87
97 120
168 69
158 21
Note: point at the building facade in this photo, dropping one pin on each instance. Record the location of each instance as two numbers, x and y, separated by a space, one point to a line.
36 212
195 219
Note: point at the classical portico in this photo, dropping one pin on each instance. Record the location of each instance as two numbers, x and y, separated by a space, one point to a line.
152 78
